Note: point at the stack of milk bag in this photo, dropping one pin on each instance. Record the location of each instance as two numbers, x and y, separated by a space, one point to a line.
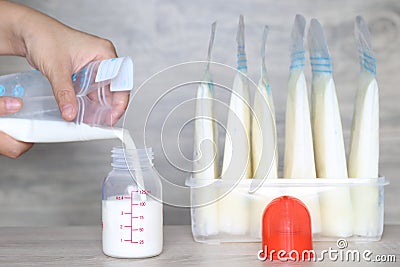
228 201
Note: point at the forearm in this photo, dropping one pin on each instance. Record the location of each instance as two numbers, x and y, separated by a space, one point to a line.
11 15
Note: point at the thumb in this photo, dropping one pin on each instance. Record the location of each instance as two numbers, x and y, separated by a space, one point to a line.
61 82
9 105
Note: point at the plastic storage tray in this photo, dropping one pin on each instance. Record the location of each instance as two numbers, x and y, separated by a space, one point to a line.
229 211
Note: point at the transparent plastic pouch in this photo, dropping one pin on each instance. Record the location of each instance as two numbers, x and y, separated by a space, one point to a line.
40 121
94 85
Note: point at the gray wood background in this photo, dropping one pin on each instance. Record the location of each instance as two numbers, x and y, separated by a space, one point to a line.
60 184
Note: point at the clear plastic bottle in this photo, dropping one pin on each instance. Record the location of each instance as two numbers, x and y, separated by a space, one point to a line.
132 215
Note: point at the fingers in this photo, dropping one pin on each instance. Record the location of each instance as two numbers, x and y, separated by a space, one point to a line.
106 49
9 105
61 82
9 146
12 148
119 105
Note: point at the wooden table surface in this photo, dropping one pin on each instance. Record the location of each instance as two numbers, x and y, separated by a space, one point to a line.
81 246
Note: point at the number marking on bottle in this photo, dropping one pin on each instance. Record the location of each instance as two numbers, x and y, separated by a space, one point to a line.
133 216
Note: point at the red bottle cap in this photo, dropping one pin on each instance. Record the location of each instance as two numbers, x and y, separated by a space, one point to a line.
286 230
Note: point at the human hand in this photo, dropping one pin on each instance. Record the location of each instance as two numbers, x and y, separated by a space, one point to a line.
9 146
57 51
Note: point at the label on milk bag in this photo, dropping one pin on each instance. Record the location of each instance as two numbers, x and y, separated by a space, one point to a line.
119 71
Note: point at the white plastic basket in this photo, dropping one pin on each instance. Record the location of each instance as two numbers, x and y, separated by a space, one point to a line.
228 211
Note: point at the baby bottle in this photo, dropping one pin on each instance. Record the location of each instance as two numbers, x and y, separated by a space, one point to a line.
131 207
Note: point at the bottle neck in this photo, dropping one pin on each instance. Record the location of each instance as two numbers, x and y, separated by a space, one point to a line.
131 159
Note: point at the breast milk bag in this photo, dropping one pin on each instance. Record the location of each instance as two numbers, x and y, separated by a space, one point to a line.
299 151
234 207
364 142
329 152
264 150
205 151
40 121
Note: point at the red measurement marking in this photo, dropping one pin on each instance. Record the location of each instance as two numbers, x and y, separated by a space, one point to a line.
131 213
141 217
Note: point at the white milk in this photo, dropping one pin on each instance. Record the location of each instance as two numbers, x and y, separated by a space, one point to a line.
237 162
364 156
44 131
258 202
119 237
205 208
205 163
127 140
234 213
330 158
299 151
